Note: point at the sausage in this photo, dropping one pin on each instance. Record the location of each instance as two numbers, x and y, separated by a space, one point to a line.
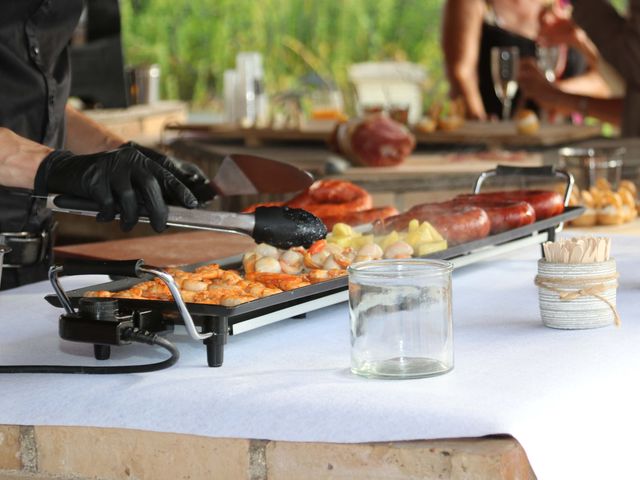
545 203
503 214
457 223
326 198
331 197
359 218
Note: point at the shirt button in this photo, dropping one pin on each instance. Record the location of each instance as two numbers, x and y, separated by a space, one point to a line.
36 50
52 99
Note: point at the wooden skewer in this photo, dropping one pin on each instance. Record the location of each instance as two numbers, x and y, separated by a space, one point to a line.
578 250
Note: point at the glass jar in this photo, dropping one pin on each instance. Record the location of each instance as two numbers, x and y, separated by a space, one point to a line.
401 318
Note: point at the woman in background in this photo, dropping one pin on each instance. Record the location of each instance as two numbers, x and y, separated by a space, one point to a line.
617 38
472 27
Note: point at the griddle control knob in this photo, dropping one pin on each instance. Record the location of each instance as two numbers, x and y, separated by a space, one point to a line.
98 308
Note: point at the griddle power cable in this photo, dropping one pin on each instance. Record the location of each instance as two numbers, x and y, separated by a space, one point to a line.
132 334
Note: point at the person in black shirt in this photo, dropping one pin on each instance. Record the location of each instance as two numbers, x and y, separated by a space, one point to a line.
48 147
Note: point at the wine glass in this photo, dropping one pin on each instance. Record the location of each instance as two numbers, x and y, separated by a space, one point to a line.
504 72
547 59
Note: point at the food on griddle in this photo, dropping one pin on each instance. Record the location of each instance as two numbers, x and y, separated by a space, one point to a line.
212 284
545 203
335 201
466 218
456 223
359 217
418 239
503 214
207 284
298 260
373 141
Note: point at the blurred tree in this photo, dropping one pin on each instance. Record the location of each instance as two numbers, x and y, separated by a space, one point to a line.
194 42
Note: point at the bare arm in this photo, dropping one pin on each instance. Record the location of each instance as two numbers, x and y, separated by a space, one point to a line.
558 28
590 83
461 31
19 159
84 135
550 97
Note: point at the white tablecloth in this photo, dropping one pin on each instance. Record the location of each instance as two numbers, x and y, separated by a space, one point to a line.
569 397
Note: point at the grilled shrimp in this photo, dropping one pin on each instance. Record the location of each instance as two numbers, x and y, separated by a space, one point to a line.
282 281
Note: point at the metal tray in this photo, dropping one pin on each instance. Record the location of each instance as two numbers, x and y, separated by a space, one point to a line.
328 291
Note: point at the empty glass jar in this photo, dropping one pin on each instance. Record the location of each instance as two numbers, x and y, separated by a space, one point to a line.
401 319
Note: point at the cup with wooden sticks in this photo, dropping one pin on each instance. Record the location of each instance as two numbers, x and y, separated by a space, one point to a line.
577 281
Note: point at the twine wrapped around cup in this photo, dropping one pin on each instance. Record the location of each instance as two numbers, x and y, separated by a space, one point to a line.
577 295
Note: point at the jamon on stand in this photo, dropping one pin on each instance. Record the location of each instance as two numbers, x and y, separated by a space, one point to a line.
373 141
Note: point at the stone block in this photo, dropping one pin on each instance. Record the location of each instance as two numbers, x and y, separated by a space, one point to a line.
494 458
116 454
10 447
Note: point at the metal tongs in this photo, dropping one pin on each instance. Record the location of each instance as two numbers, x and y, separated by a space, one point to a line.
282 227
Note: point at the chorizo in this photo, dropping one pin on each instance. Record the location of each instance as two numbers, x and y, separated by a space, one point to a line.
456 223
545 203
503 214
332 197
359 218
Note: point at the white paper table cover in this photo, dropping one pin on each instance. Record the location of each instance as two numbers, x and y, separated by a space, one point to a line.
569 397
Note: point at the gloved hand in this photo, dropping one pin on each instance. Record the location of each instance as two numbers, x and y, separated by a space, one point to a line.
188 173
118 180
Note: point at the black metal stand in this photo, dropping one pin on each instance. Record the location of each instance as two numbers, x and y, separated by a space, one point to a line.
219 326
101 352
551 237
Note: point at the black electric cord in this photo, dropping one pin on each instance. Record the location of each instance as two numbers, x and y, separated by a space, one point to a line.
133 335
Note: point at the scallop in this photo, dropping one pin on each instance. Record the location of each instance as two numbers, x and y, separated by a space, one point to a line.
291 262
399 249
266 250
268 265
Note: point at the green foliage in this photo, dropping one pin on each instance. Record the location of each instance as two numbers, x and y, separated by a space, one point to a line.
195 41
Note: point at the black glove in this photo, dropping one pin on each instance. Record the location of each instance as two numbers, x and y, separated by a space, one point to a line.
119 181
188 173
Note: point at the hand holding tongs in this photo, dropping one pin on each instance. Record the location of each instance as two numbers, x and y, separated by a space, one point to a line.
282 227
120 174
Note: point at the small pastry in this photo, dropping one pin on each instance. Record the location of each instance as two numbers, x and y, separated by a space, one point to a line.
527 122
588 218
630 186
629 211
609 210
603 184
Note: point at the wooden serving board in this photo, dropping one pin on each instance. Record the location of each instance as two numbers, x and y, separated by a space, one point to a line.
162 250
253 136
505 134
492 134
417 165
